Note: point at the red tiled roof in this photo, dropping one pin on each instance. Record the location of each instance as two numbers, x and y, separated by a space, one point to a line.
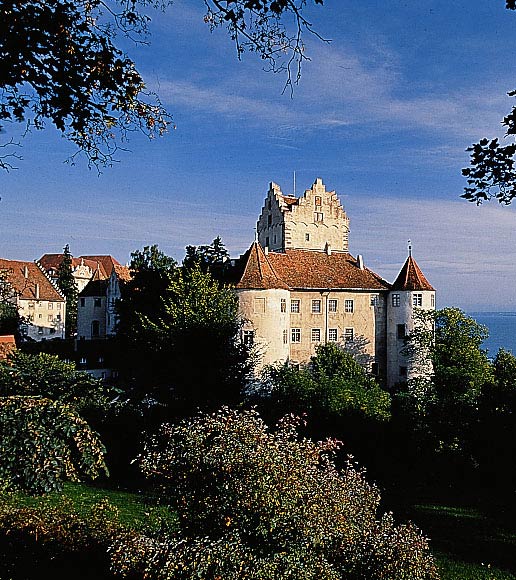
25 287
7 339
102 264
7 346
306 269
411 277
258 272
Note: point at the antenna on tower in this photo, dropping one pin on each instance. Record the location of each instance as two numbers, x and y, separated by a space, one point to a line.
256 234
409 248
294 183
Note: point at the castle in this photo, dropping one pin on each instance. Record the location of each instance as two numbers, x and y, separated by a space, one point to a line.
298 286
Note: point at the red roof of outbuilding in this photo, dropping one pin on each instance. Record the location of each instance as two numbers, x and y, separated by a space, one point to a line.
411 277
258 272
25 286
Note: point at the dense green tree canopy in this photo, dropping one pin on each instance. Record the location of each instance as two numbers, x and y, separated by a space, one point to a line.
179 335
332 387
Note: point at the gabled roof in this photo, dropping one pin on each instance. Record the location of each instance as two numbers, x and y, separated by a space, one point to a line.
23 277
305 269
411 277
103 265
258 272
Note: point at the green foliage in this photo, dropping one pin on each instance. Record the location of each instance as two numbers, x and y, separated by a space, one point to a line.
206 256
181 332
332 387
67 285
46 375
261 504
10 319
45 443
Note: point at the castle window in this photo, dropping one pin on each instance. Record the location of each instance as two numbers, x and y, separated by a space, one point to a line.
283 305
375 369
348 306
417 300
374 299
318 216
40 330
58 305
285 337
316 335
51 330
58 317
269 220
248 337
267 242
97 303
259 305
307 237
50 317
401 331
295 334
294 306
332 305
395 299
403 371
349 334
332 335
50 306
274 238
83 302
316 306
31 304
318 200
432 300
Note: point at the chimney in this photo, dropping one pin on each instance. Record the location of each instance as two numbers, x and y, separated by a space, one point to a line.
26 271
327 249
37 291
266 250
360 261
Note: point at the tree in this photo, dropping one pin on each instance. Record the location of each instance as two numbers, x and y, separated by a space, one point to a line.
45 375
492 172
208 257
68 286
45 443
60 64
333 388
10 319
180 336
262 504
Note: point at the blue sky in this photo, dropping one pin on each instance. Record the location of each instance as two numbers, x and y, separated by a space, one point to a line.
383 114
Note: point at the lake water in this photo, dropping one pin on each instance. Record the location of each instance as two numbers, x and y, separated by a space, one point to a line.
502 330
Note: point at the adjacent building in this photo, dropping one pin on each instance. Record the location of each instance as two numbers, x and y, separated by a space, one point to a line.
38 300
298 287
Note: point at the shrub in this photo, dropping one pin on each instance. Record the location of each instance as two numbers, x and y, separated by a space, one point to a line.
45 443
261 504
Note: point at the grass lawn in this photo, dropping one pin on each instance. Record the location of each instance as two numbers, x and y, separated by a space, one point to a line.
134 509
469 543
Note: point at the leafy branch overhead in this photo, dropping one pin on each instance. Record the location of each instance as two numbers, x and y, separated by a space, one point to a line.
491 173
59 63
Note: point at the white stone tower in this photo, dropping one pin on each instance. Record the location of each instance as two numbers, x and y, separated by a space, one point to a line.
410 291
314 221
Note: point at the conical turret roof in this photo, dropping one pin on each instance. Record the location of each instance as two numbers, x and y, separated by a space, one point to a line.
258 272
411 277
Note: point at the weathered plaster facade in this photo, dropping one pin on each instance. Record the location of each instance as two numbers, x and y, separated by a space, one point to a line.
299 287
